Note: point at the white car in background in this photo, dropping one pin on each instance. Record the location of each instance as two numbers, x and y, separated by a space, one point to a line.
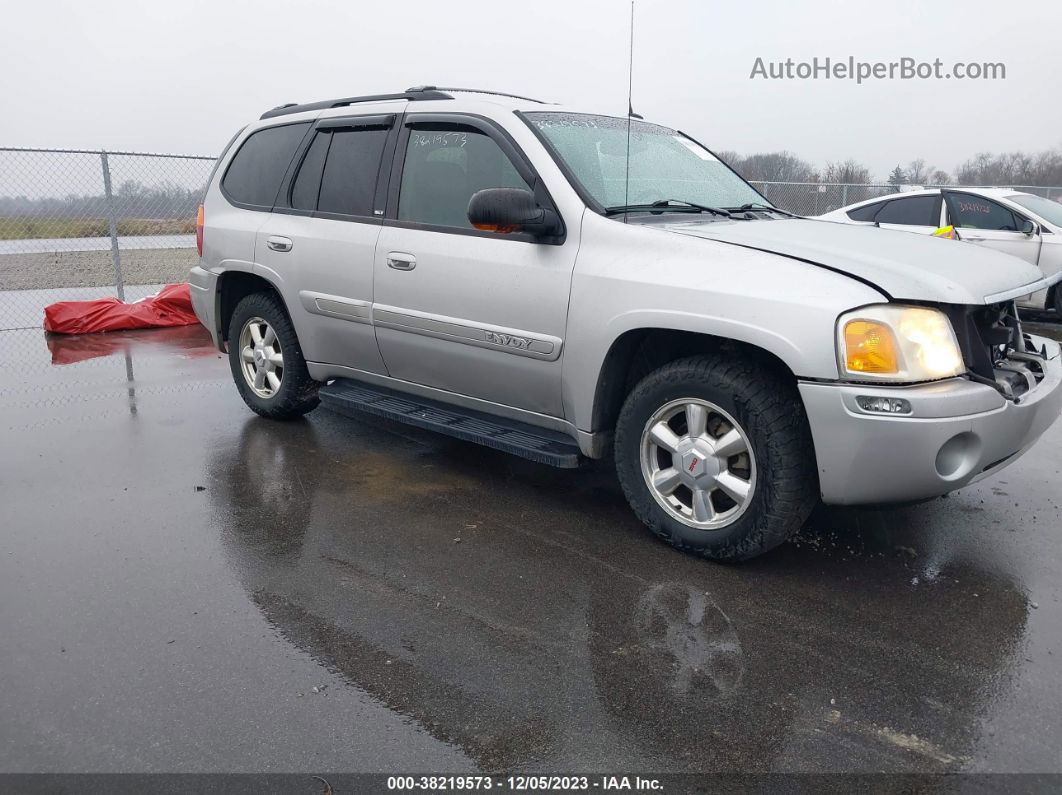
1006 220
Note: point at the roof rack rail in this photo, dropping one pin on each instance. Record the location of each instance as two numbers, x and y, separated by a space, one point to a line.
415 94
477 91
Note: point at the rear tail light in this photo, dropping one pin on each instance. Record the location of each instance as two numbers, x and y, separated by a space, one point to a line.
199 230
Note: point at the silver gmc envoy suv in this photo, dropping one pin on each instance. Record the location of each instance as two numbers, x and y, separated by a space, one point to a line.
566 286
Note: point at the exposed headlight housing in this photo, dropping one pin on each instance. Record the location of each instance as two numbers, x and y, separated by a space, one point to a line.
891 342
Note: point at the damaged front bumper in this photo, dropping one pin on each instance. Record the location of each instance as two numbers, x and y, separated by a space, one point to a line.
956 432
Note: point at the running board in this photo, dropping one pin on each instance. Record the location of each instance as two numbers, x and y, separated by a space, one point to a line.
527 441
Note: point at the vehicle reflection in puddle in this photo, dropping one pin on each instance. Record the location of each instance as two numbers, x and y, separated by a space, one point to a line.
514 612
694 638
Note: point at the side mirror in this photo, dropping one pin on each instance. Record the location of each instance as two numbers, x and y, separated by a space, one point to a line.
1028 228
507 210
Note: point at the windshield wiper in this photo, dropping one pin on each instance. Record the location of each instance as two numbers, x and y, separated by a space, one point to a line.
767 207
667 205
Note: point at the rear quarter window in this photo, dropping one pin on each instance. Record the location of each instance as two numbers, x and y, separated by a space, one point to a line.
913 211
256 171
866 212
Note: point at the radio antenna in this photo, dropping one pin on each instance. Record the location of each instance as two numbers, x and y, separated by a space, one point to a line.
630 115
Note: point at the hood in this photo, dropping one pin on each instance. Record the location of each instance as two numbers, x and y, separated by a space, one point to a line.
902 264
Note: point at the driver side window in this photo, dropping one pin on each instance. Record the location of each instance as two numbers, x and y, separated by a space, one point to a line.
444 166
976 212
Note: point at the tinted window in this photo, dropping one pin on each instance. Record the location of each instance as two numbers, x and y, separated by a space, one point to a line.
254 175
865 213
975 212
443 168
915 211
308 181
348 183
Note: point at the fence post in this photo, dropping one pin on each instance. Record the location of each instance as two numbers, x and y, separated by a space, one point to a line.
112 226
844 195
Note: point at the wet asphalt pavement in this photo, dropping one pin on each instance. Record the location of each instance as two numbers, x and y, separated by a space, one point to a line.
187 587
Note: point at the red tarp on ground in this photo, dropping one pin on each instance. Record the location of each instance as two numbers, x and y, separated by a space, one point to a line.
170 306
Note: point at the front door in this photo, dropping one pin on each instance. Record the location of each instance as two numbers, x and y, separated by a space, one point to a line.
987 223
472 312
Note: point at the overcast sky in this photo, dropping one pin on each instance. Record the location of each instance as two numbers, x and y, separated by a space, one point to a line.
183 76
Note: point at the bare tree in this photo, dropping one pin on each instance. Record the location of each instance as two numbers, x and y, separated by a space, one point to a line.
771 167
918 173
985 168
1012 168
939 177
848 172
1047 168
732 159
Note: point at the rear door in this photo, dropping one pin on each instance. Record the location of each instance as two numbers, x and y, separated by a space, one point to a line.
249 188
320 239
473 312
988 223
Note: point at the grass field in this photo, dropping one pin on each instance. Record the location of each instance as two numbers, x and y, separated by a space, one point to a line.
36 228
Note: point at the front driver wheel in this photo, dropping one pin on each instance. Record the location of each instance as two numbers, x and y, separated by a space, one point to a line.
266 359
715 456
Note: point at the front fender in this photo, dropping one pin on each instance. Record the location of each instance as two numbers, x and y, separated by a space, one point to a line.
631 277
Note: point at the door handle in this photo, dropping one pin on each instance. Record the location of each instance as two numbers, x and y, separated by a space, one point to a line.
278 243
401 261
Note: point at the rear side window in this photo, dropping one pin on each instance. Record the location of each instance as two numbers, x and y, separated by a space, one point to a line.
255 173
443 167
976 212
914 211
865 213
348 183
339 172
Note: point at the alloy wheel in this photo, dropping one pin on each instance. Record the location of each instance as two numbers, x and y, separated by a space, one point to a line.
261 357
698 463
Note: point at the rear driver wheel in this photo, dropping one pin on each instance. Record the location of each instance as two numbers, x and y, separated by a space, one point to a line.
266 359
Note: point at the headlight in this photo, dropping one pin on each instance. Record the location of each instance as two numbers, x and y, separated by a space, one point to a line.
888 342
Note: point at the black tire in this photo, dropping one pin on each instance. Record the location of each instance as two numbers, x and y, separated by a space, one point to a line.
770 412
1056 301
297 393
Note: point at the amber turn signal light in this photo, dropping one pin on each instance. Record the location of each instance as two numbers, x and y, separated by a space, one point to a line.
870 347
501 230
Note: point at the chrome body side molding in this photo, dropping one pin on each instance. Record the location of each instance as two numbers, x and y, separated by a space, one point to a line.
468 332
336 306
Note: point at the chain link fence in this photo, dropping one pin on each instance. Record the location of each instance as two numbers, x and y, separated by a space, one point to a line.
78 224
815 198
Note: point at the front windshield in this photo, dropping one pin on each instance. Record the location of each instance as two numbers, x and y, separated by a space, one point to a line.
664 164
1045 208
